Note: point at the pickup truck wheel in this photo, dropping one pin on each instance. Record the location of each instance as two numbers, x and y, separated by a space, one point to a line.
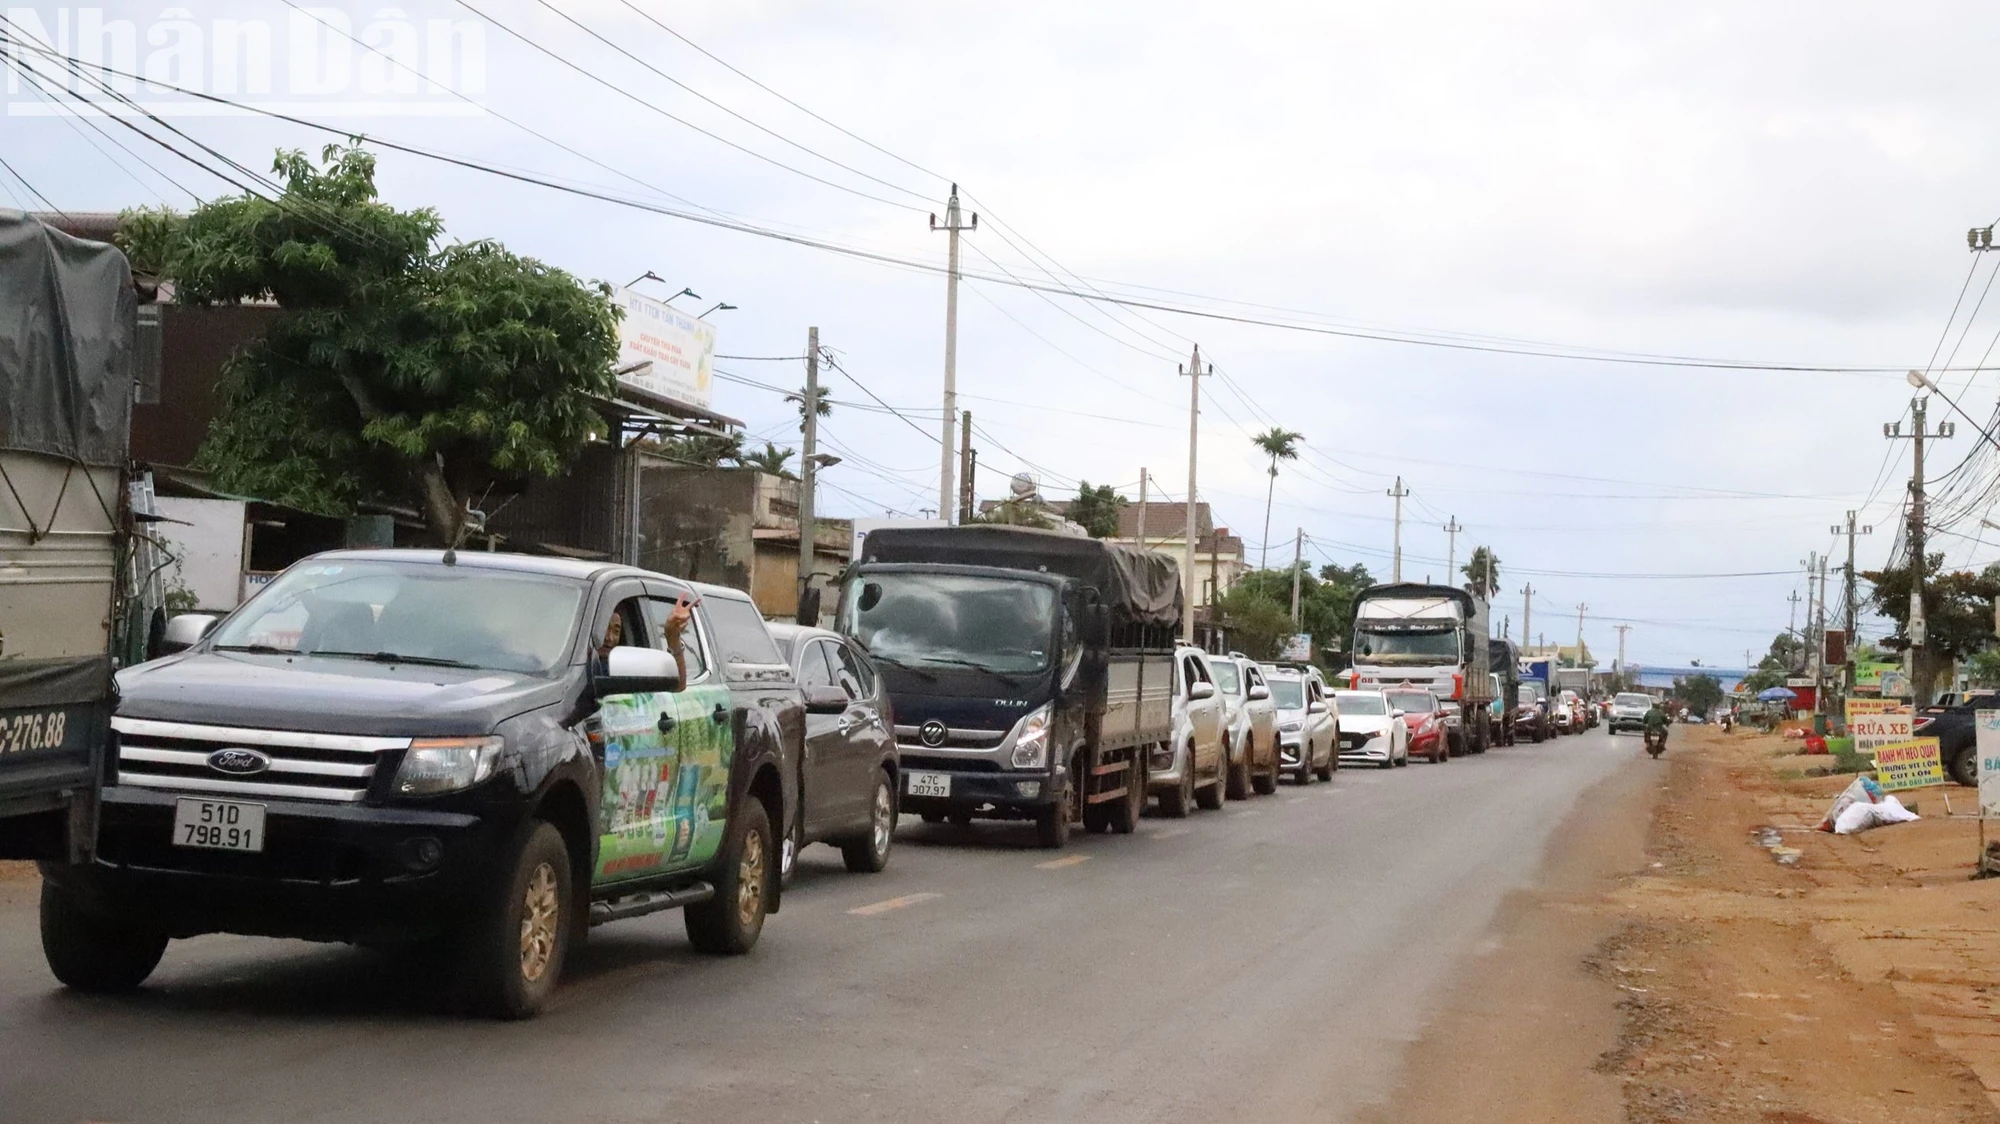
1266 782
788 854
1964 767
868 855
92 953
1176 803
1210 796
514 949
1325 773
1239 774
728 923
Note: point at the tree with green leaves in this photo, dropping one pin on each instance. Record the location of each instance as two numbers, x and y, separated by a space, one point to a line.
1958 614
772 460
1482 573
822 406
1279 444
1700 692
1326 601
397 370
1256 621
1095 509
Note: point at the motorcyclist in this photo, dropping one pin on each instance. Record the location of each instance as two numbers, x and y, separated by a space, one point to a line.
1656 722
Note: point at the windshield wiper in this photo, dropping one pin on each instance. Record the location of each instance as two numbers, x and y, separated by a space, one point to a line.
393 657
893 662
960 661
256 649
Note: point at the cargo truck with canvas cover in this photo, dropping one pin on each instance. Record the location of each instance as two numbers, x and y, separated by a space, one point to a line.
68 341
1031 671
1433 637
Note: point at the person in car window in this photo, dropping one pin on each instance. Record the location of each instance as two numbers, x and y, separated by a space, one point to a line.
614 636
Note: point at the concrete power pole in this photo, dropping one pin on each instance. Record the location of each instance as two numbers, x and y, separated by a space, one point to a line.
1917 435
1298 549
1527 612
807 612
1451 530
1619 667
1397 493
1193 371
952 225
965 456
1580 608
1142 507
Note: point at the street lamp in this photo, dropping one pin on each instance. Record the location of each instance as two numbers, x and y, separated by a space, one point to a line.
1923 381
823 460
721 306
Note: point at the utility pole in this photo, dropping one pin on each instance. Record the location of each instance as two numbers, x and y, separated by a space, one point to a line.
1919 432
1580 607
808 612
1819 647
1527 611
1850 531
1451 530
1792 616
1619 667
1398 492
965 457
1193 371
1298 548
1142 507
952 225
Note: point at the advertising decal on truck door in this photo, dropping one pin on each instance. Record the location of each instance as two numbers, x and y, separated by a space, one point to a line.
665 794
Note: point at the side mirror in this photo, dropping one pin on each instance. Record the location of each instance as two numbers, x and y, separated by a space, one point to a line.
632 671
822 699
1259 692
1395 714
1096 630
1201 691
185 631
1316 708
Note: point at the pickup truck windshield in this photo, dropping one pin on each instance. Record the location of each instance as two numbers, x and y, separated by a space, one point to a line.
1405 647
933 620
1642 702
422 613
1288 694
1225 677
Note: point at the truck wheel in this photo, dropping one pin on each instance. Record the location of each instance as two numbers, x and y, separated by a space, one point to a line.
1209 797
92 953
1239 772
1052 826
788 853
869 854
1176 804
1124 816
1266 783
515 946
728 923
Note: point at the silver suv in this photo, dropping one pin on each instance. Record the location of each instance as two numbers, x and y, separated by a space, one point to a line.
1249 725
1628 711
1193 770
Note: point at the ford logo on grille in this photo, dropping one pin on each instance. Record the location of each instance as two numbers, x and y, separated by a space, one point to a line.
932 732
238 762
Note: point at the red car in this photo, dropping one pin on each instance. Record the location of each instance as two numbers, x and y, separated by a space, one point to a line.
1425 719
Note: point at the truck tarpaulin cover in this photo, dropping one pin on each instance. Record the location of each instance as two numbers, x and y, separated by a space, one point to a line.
1138 585
67 326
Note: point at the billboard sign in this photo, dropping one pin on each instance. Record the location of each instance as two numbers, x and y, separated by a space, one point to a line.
1986 725
1297 648
1911 764
664 351
1874 723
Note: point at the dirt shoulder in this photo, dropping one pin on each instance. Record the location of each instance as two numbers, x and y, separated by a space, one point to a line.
1698 978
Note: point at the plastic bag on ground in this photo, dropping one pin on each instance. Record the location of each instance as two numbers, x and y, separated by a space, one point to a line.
1859 817
1864 790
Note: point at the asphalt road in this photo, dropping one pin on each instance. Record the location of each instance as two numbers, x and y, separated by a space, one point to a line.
1268 962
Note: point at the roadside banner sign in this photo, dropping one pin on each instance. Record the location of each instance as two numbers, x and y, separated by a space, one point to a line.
1874 723
1895 684
1297 648
1908 764
1986 727
664 351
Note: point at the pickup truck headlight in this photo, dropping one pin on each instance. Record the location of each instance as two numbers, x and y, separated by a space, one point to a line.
435 765
1031 745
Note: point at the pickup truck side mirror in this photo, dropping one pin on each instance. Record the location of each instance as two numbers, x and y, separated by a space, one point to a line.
1316 708
823 699
1259 692
1201 691
185 631
632 671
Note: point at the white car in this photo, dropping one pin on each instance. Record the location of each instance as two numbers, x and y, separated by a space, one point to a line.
1371 732
1192 770
1249 725
1308 724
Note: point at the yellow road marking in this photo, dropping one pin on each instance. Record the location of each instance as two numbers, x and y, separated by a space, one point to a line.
1172 832
1058 864
892 903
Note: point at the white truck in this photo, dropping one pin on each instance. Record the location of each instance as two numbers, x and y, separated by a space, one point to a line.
1433 637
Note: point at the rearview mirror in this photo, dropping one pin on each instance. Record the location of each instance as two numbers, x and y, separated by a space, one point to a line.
632 671
185 631
1259 692
822 699
1201 691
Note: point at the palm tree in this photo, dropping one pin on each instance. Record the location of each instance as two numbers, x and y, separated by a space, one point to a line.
771 460
1482 573
1281 445
823 406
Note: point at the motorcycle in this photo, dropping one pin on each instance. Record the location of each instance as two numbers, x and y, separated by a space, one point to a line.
1656 742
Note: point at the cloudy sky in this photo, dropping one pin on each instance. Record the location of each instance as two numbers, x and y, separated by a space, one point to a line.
1787 184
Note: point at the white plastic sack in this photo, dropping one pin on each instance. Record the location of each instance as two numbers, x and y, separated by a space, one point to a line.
1860 816
1864 790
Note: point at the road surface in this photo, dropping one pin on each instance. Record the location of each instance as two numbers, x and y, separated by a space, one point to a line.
1268 962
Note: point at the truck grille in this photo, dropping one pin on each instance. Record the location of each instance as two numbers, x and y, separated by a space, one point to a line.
303 766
